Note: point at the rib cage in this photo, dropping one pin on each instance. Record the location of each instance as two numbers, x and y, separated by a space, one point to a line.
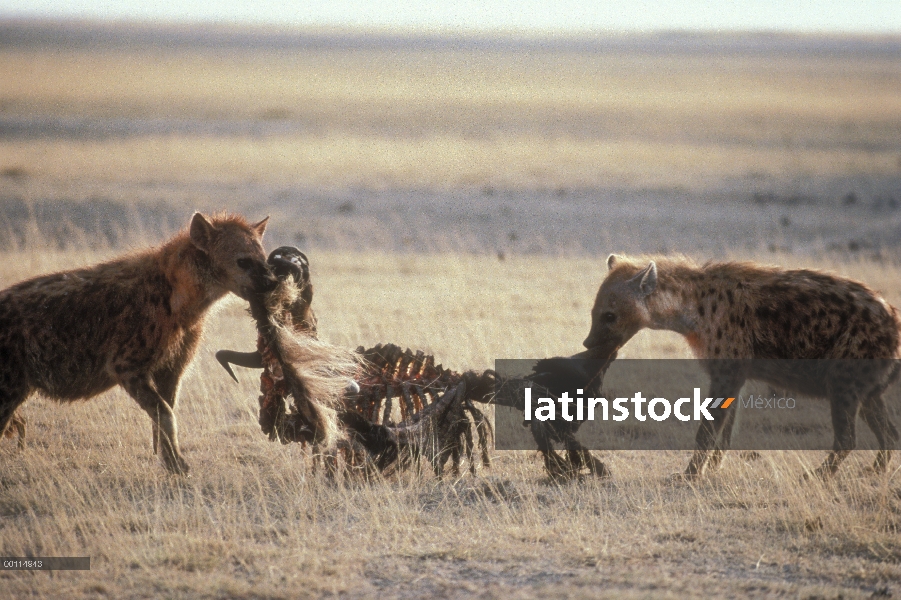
415 383
435 406
391 374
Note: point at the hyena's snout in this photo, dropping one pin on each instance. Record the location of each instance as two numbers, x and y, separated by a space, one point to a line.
602 343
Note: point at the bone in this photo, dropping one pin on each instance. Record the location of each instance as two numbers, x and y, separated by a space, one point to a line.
248 360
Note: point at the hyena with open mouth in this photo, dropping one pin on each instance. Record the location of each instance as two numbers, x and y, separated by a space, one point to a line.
135 321
747 311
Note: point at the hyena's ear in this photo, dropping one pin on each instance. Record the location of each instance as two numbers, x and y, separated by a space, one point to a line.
202 232
645 282
260 227
611 260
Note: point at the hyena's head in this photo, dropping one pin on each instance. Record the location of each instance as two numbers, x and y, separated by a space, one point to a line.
235 252
620 308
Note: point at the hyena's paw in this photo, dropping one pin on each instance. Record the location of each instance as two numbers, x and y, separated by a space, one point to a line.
175 464
877 468
716 460
684 477
827 470
880 465
822 473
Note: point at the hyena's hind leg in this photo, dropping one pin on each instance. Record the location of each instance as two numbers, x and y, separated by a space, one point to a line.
10 400
16 425
844 404
850 391
875 414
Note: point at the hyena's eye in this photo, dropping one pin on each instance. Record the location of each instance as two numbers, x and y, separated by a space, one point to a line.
245 263
608 317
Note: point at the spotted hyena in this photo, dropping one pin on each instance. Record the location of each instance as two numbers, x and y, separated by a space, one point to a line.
743 310
134 321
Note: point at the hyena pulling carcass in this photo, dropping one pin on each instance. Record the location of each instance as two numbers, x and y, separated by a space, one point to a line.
747 311
135 321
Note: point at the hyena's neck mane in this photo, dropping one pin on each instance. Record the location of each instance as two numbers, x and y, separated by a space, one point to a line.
687 293
673 305
191 276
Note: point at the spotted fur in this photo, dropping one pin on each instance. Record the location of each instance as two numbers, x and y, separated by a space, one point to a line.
743 310
135 321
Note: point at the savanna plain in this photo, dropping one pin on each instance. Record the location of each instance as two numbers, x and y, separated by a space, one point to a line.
459 196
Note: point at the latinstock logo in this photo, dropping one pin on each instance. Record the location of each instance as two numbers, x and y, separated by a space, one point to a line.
662 404
590 409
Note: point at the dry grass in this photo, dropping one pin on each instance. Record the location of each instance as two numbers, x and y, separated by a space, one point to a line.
253 521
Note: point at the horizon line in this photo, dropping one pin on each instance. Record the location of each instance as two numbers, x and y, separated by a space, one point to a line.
525 33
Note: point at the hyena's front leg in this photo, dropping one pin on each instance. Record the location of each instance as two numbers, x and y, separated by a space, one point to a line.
166 383
725 440
167 380
165 430
725 382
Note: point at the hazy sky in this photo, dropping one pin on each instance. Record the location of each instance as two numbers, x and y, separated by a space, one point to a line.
791 15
